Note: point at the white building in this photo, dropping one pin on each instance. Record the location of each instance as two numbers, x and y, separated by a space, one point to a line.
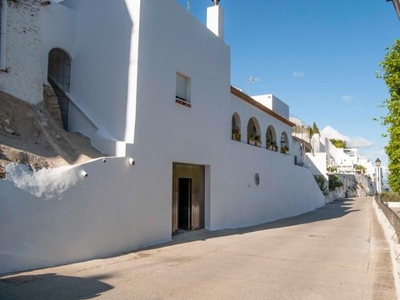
150 86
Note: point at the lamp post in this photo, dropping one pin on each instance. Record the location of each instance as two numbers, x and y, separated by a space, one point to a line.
378 176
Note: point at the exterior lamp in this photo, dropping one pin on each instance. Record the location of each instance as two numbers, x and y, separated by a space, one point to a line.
378 177
378 162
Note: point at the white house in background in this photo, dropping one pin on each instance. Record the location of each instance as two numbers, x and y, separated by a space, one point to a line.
150 86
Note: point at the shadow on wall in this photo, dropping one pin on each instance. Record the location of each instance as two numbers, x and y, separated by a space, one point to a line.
337 209
42 287
100 66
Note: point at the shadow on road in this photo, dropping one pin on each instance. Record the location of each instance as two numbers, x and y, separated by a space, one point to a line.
52 286
337 209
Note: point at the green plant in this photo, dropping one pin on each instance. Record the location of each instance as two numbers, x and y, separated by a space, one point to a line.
390 197
334 182
390 75
275 146
338 143
284 149
331 169
321 183
360 169
236 133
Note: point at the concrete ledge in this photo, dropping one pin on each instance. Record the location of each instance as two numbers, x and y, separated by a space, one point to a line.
393 244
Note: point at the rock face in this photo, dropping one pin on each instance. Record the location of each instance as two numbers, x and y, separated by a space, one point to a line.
33 136
354 185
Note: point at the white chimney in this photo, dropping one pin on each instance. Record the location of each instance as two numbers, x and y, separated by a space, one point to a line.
215 20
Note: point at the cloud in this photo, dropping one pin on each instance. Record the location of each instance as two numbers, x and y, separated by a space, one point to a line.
355 142
359 142
298 74
347 98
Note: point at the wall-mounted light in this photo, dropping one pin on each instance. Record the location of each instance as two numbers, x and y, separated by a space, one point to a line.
84 174
131 161
104 160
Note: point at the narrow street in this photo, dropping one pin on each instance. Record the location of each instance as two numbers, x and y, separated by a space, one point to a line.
336 252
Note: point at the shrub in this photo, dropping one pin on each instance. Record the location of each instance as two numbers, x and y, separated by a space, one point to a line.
334 182
321 183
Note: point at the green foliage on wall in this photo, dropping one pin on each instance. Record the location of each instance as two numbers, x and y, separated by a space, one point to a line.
338 143
390 74
334 182
360 169
321 183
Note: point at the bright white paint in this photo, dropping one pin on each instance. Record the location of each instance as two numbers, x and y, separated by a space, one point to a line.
317 163
56 216
215 20
273 103
129 89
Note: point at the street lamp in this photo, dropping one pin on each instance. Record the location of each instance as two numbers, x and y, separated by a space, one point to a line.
378 162
378 178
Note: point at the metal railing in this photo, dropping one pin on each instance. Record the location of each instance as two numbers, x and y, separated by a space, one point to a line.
392 217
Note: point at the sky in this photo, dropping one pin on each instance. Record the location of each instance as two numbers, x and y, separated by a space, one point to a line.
320 57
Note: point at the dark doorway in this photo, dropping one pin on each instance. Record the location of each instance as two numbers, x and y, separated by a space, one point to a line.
185 203
58 75
188 185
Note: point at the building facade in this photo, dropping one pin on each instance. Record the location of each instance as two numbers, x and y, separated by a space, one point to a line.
150 86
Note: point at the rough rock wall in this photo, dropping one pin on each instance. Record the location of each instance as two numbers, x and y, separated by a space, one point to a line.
22 76
354 185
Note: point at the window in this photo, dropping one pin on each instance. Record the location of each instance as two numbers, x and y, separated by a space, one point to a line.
182 90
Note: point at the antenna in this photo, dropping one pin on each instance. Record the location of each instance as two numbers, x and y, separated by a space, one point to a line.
250 82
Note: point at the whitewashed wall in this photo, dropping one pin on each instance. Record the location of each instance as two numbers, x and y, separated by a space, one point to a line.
274 103
23 78
56 216
121 207
284 190
247 111
317 163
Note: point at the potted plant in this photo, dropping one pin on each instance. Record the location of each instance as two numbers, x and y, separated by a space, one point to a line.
274 146
252 141
285 149
236 136
269 144
258 140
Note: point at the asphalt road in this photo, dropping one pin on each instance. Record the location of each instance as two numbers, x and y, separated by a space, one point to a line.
336 252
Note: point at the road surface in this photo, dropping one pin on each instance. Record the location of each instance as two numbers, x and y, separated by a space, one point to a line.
336 252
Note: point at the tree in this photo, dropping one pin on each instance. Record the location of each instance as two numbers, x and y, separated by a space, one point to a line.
338 143
313 130
390 74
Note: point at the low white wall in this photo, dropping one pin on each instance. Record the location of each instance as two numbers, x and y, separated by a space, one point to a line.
285 189
57 217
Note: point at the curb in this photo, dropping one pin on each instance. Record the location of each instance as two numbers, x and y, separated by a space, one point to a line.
392 240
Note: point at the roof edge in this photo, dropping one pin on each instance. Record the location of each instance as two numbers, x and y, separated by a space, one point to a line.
246 98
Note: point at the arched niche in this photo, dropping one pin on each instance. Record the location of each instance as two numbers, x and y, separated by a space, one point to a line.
254 132
236 128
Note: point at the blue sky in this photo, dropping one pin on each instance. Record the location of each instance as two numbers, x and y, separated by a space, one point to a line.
318 56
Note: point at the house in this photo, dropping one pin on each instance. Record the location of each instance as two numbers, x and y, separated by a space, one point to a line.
150 86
